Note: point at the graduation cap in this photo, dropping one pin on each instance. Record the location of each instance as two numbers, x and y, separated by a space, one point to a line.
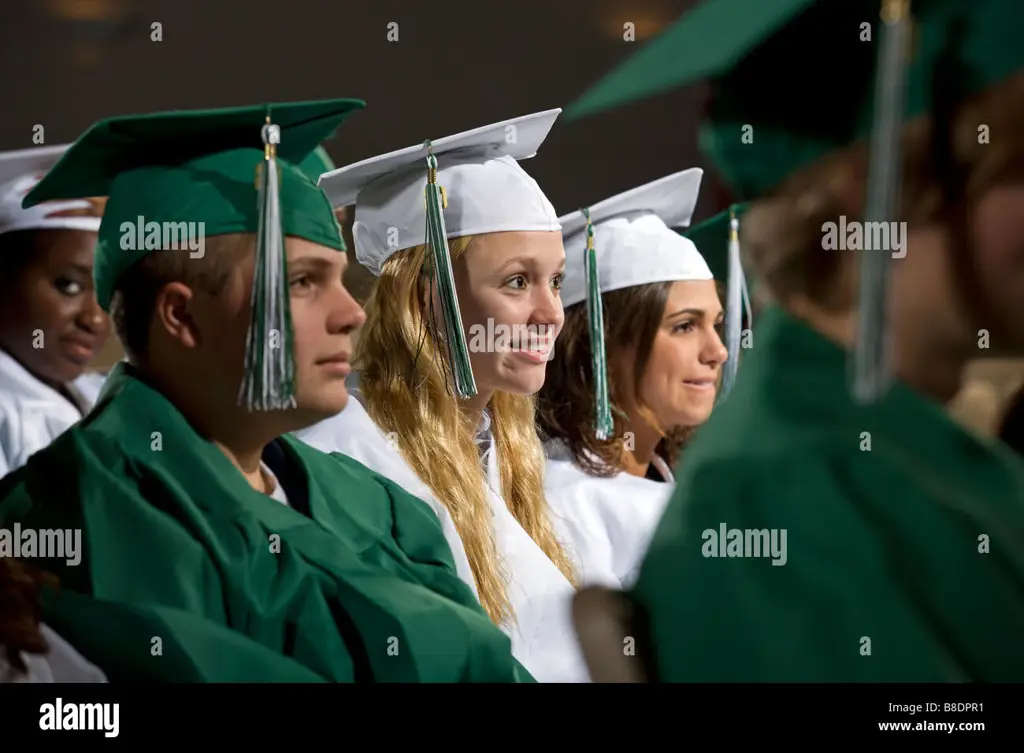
473 184
20 171
801 73
221 171
633 240
317 163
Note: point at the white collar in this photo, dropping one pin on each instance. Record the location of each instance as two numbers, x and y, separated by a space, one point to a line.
558 449
19 381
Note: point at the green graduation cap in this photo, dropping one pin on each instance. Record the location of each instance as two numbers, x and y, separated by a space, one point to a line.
795 79
316 164
218 172
711 237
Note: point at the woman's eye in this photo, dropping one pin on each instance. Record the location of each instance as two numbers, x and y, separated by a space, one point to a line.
68 287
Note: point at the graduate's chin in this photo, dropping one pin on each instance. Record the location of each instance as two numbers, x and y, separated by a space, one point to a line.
523 379
326 401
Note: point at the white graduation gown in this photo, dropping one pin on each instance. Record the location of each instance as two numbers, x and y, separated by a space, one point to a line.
60 664
33 414
608 522
543 637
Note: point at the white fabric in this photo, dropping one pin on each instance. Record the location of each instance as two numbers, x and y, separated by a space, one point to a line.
487 190
278 493
543 637
61 663
609 521
20 171
33 414
663 470
633 240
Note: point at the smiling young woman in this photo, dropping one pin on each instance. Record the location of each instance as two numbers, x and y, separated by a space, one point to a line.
448 413
658 354
51 327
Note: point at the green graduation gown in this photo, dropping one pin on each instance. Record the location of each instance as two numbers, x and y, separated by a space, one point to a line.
188 574
904 551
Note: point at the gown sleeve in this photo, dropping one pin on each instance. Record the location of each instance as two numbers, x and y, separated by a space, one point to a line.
147 600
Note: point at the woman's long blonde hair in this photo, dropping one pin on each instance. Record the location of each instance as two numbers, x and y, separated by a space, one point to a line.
404 381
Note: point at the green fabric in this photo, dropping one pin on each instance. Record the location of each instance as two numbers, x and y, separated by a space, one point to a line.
711 237
316 164
882 543
177 545
772 65
194 167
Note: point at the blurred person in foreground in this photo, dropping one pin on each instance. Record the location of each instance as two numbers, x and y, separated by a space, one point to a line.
812 536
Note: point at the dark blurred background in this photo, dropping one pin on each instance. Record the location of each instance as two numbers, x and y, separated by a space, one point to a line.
456 65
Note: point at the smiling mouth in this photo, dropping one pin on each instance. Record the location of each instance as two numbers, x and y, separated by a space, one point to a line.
702 384
80 348
534 349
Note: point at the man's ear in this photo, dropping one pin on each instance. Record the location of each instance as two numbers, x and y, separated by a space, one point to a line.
605 624
173 314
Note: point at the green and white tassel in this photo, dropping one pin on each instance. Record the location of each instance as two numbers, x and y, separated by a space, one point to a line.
603 422
441 271
269 380
872 358
736 300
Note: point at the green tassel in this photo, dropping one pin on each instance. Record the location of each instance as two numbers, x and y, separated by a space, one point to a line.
872 362
441 271
269 380
603 422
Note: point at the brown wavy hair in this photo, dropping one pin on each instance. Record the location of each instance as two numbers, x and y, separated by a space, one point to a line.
20 611
565 404
407 392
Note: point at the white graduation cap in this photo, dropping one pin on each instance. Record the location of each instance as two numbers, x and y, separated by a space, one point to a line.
486 189
633 240
19 172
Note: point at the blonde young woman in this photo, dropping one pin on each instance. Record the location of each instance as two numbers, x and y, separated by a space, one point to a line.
620 402
464 439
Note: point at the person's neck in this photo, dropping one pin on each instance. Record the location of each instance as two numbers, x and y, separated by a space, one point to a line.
637 461
473 408
234 432
924 362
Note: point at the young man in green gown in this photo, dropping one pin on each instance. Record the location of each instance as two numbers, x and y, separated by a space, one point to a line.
215 546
